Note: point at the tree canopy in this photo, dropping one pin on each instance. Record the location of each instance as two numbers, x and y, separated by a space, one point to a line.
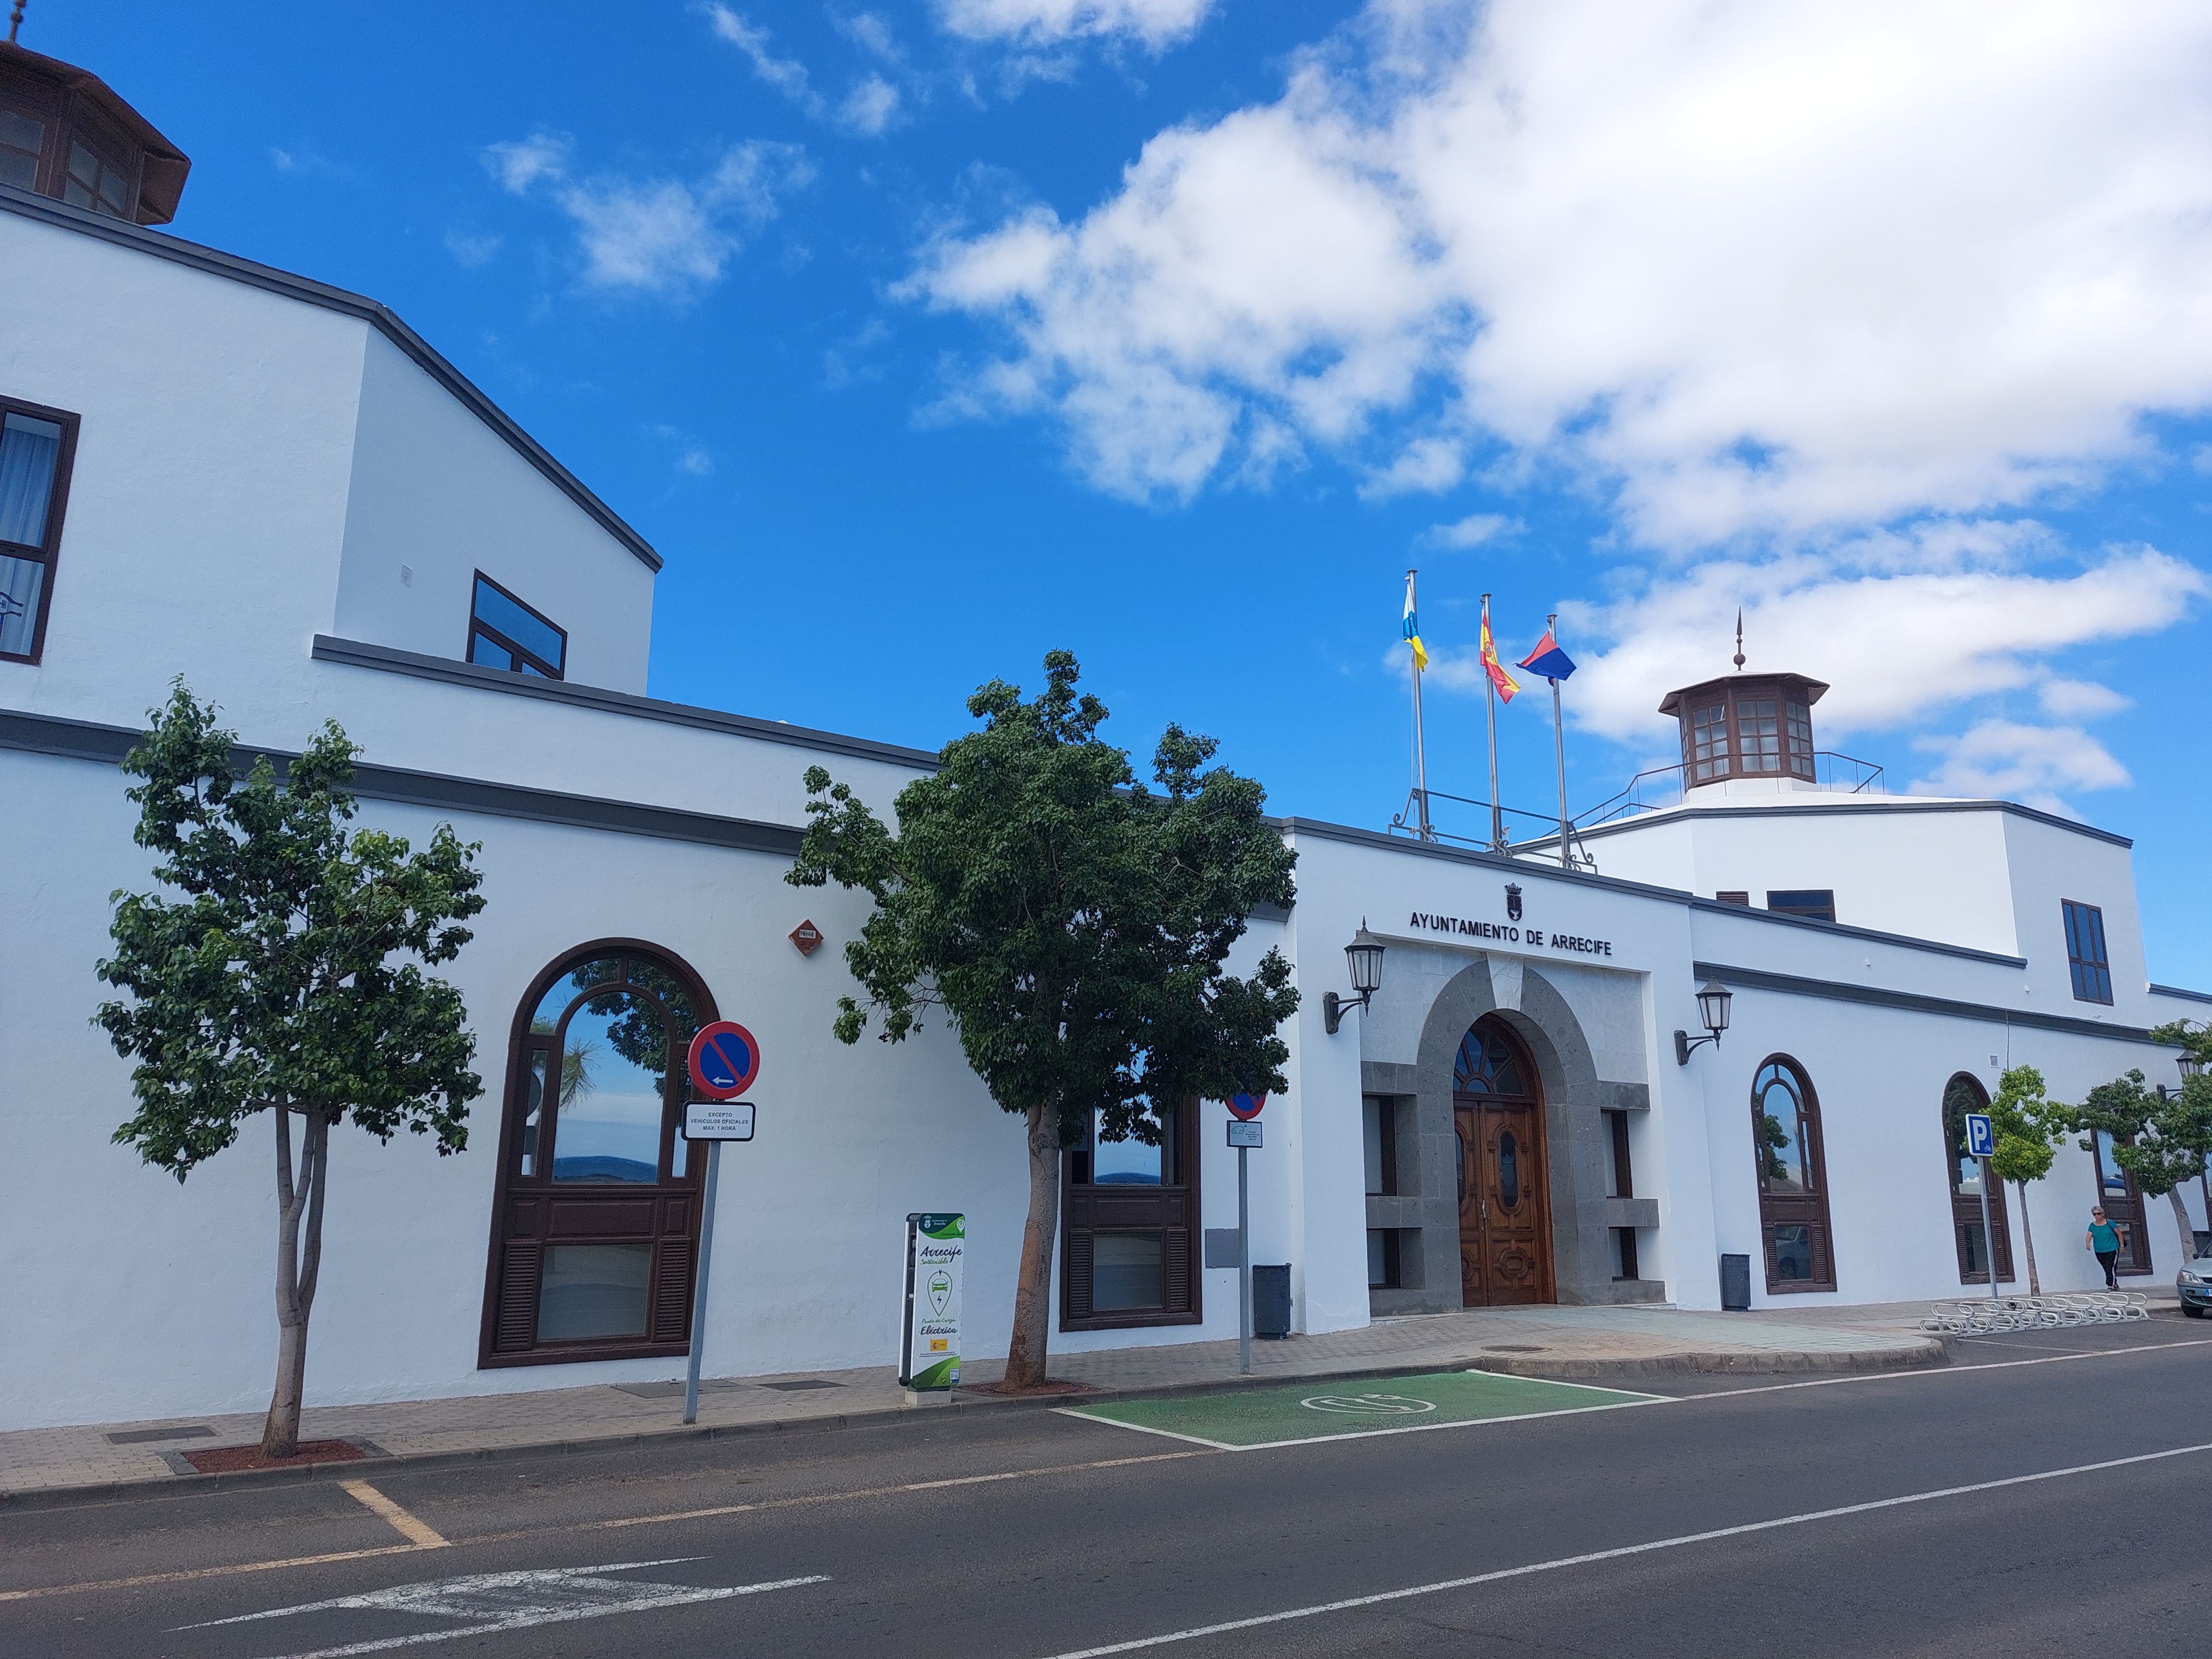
286 974
1072 923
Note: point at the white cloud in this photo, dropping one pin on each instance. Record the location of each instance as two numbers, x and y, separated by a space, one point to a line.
471 252
2079 700
870 106
523 162
1742 268
663 236
787 75
1471 532
1425 466
1158 24
1893 645
2001 760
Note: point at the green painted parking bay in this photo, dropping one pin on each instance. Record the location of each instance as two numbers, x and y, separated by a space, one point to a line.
1355 1406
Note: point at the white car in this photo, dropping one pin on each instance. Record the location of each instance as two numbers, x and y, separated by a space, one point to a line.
2194 1283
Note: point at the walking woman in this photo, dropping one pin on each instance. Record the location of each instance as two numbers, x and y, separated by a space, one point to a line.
2104 1240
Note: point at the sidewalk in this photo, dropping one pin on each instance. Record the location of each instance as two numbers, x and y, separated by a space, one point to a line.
97 1460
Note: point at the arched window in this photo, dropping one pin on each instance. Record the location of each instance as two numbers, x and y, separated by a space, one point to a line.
1793 1179
596 1221
1963 1094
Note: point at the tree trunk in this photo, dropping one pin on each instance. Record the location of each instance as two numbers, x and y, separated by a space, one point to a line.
2027 1237
2181 1220
299 1260
1025 1354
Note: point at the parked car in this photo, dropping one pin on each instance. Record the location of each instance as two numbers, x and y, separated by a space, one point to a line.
2194 1284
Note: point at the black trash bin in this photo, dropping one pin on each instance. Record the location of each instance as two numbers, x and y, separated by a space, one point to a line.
1271 1301
1736 1284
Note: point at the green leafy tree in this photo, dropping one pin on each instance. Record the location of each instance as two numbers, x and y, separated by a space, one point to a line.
1071 924
2161 1141
2194 1035
2028 1126
285 976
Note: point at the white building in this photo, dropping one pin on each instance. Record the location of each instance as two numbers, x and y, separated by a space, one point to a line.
280 492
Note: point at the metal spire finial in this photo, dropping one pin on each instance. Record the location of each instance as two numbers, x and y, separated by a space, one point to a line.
1739 636
15 21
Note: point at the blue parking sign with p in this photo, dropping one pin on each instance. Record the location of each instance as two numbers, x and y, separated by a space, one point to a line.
1981 1138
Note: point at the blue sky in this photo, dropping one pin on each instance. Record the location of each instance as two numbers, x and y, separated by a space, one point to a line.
922 339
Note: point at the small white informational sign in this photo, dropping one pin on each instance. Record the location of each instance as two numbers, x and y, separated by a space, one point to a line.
929 1337
719 1119
1244 1134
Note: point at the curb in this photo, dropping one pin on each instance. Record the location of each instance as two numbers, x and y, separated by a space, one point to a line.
1928 1352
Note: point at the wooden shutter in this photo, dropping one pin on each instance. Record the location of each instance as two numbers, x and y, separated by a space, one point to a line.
1075 1298
516 1328
1175 1267
671 1292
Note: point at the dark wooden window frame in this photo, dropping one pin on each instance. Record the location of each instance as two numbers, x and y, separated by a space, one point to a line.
1793 720
1966 1209
1779 1211
1806 904
673 1188
1176 1213
521 654
2092 976
48 551
2128 1211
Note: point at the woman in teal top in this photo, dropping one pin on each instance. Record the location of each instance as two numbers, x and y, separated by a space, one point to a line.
2104 1241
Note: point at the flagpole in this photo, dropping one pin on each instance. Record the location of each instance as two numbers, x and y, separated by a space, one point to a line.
1420 752
1559 745
1489 705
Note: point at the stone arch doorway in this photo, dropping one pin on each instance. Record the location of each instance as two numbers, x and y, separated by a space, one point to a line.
1504 1178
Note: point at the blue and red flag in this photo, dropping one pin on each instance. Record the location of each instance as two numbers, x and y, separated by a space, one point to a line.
1548 660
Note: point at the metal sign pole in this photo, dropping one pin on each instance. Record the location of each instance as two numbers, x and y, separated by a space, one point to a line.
1243 1266
1989 1239
699 1289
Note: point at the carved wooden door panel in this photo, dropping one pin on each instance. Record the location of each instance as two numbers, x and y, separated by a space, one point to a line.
1505 1234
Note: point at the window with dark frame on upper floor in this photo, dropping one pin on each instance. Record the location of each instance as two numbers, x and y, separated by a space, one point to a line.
1811 903
505 633
2086 957
37 445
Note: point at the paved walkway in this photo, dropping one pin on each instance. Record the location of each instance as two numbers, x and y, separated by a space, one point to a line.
1643 1341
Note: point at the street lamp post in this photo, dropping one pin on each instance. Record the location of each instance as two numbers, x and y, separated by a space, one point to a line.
1714 1000
1364 956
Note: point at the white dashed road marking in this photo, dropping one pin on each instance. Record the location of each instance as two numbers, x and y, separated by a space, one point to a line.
494 1601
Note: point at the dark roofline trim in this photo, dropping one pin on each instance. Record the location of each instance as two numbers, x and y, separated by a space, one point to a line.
379 316
384 659
2176 991
1677 814
87 740
1758 979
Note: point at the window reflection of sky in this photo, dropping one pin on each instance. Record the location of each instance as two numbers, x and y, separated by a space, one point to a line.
1129 1161
610 1127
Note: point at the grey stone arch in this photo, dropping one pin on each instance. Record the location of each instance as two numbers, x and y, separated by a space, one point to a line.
1577 1146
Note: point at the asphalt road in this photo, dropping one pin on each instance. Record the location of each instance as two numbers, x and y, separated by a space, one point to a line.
1746 1516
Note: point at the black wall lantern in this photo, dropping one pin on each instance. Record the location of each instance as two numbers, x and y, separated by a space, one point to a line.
1364 956
1713 1001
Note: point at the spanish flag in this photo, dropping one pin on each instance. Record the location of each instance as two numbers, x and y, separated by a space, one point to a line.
1413 628
1506 685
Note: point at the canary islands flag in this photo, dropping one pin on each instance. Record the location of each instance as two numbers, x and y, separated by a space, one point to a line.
1548 660
1413 628
1506 685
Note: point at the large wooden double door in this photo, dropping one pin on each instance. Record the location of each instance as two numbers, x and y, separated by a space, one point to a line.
1504 1189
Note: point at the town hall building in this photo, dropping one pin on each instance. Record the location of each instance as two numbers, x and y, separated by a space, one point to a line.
281 492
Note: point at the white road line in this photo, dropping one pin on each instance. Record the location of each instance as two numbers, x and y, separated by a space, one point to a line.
492 1603
1385 1596
419 1532
1372 1434
1946 1371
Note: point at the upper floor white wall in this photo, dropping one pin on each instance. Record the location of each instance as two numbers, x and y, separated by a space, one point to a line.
436 496
252 466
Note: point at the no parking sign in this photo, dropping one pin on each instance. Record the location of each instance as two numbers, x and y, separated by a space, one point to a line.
725 1061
